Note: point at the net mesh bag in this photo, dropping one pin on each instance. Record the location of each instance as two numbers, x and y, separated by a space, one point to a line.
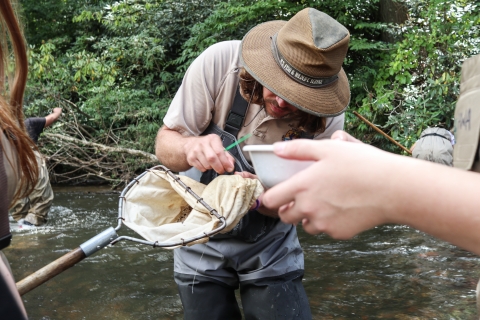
161 210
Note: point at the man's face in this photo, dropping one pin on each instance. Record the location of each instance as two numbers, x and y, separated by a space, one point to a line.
275 106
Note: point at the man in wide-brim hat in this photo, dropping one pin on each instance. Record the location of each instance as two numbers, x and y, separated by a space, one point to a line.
283 81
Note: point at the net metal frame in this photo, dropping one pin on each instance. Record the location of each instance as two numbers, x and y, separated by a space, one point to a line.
183 242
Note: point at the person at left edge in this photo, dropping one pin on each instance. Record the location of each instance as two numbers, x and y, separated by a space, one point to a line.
18 166
293 86
33 209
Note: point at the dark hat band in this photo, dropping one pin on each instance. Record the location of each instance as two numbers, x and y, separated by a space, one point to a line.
297 75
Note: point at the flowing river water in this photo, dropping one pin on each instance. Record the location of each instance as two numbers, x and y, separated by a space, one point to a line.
390 272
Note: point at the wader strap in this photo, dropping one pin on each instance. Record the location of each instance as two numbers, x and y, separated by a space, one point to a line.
5 235
241 164
236 117
253 225
435 134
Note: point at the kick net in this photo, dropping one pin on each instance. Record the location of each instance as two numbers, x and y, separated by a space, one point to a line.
168 210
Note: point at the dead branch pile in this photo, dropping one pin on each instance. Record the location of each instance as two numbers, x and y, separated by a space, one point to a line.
76 161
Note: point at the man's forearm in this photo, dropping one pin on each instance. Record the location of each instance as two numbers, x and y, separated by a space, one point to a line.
169 150
51 118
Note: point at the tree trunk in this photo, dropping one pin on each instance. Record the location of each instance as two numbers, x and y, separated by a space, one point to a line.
395 12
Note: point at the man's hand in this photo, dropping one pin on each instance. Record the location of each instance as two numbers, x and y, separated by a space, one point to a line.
180 153
207 152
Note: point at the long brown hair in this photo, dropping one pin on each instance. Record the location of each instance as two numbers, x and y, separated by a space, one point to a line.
11 100
252 90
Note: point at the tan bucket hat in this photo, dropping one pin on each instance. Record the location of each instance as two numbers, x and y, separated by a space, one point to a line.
300 60
467 117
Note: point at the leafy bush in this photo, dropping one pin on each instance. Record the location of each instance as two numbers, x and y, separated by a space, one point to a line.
114 68
417 82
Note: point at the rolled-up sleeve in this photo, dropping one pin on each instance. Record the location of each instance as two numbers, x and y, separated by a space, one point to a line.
194 103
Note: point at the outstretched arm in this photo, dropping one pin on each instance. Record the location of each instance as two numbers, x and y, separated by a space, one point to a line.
52 117
354 187
180 153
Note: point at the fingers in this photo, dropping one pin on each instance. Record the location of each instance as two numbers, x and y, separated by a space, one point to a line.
285 192
246 175
279 195
290 214
342 135
285 213
214 157
301 149
309 227
207 152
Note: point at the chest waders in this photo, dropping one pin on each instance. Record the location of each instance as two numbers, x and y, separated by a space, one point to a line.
261 255
253 225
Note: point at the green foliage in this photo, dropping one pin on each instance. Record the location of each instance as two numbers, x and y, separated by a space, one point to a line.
229 21
417 83
115 66
47 20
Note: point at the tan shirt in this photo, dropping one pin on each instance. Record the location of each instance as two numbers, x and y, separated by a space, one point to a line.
207 93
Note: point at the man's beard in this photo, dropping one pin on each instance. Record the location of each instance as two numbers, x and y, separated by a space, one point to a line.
274 102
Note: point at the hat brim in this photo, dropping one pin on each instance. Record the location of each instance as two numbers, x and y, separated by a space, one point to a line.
257 59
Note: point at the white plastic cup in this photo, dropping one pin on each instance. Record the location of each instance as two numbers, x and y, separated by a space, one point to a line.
270 168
